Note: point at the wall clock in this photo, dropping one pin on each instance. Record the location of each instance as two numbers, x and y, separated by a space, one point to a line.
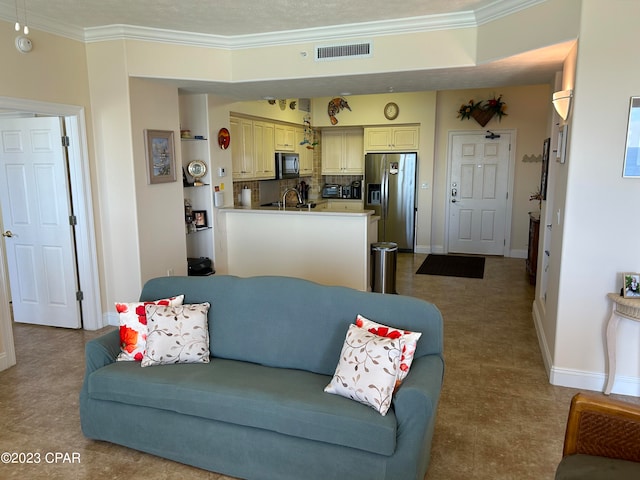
391 111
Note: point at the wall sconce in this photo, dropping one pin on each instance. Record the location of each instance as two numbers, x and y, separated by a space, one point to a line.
562 102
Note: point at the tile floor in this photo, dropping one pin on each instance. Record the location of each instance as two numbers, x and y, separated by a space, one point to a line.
498 417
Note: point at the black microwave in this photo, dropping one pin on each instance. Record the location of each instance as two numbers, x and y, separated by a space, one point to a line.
287 165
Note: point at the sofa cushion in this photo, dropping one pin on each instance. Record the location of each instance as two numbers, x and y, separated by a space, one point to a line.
176 334
268 320
291 402
589 467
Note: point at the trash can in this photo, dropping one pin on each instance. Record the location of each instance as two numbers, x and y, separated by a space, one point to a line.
383 267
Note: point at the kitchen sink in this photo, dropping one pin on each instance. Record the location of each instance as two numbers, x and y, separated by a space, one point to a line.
300 206
309 205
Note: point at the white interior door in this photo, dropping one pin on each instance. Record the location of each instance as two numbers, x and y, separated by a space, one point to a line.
478 194
37 233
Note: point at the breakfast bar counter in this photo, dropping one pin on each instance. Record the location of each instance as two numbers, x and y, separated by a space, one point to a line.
331 247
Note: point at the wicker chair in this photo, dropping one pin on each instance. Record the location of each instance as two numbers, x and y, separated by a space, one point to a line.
602 440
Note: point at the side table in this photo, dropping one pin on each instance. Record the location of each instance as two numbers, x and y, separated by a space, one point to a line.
625 308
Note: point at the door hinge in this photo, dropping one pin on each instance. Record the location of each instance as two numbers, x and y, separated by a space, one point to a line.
73 220
79 295
65 141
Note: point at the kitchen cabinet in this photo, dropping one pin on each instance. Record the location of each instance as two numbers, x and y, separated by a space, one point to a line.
404 138
352 205
342 152
263 151
285 138
306 154
242 148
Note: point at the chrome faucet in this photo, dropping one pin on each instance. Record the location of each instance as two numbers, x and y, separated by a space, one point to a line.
284 196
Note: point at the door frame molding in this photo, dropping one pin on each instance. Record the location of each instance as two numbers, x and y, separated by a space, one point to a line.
510 184
82 200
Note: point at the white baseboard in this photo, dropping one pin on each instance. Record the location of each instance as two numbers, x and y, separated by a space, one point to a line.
547 358
580 379
439 249
111 318
423 249
518 253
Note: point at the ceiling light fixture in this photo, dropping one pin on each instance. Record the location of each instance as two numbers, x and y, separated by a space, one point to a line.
17 25
562 103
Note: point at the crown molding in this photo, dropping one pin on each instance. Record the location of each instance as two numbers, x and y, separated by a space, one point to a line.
466 19
320 34
503 8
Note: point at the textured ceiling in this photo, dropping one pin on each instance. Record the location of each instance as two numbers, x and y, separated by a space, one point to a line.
242 19
236 17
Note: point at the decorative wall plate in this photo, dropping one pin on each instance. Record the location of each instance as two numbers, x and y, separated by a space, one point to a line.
224 138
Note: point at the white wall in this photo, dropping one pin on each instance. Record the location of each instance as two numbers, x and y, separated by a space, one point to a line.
599 222
160 207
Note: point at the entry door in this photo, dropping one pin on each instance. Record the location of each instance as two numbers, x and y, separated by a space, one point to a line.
478 194
38 237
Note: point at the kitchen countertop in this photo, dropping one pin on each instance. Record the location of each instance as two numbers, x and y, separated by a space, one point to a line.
298 211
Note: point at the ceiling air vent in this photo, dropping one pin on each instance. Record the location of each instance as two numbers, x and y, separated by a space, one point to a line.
338 52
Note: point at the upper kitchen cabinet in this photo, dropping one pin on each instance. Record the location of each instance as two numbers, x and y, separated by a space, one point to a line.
285 138
305 154
342 151
242 148
380 139
264 151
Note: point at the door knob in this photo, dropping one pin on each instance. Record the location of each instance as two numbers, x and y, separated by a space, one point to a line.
7 234
453 200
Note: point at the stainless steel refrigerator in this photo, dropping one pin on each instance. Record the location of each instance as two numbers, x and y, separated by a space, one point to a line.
390 190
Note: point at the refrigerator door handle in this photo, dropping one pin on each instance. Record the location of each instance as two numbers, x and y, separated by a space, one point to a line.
385 191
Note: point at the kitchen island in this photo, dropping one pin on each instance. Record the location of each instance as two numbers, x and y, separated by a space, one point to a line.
331 247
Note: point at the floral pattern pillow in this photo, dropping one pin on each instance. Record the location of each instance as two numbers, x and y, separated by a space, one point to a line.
133 327
367 369
409 340
177 334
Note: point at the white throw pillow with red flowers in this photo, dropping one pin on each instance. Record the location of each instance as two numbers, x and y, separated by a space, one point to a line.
408 340
133 327
367 369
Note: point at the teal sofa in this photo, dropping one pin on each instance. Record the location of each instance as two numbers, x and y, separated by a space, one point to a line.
258 409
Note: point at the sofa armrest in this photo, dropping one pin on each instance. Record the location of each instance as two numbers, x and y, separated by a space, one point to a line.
419 393
604 427
101 351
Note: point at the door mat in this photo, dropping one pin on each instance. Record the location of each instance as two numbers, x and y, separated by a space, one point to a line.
453 266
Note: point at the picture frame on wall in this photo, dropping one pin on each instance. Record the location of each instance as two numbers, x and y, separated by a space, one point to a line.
631 285
631 167
561 152
200 219
160 151
545 167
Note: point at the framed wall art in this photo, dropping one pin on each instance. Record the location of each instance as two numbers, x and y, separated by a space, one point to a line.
160 153
200 219
631 168
631 285
545 168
